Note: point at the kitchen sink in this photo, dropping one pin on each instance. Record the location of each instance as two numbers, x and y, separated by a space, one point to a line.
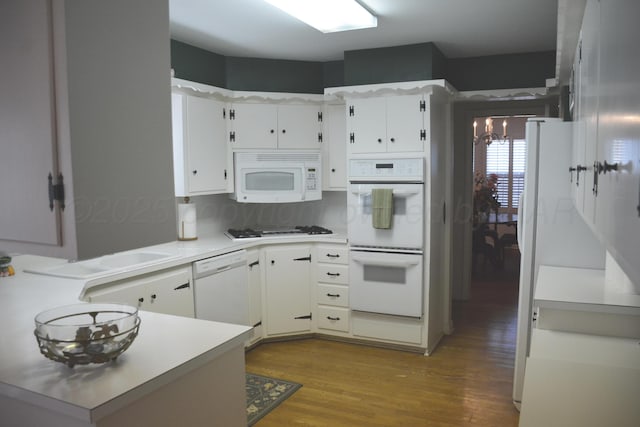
129 259
75 270
108 264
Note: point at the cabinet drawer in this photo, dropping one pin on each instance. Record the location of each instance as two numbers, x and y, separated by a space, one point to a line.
334 318
333 274
333 295
333 254
388 328
589 322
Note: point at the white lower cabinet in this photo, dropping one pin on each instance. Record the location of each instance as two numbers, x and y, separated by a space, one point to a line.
583 367
287 274
167 292
255 293
578 380
332 292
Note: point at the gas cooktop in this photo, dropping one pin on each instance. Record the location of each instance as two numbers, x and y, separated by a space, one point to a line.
247 233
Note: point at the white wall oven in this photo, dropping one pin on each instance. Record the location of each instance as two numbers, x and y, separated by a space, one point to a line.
386 251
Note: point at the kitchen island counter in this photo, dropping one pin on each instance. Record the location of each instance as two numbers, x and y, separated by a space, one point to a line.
178 371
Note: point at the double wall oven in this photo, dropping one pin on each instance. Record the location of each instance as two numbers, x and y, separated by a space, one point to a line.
386 262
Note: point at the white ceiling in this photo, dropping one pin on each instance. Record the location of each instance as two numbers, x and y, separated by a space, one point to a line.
459 28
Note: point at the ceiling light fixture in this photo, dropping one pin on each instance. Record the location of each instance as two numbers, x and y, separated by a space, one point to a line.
328 16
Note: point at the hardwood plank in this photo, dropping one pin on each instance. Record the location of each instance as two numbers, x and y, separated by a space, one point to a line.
466 381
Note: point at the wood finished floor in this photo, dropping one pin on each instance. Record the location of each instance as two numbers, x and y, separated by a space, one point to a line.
467 380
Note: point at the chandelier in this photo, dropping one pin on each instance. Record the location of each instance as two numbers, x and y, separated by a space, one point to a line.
489 135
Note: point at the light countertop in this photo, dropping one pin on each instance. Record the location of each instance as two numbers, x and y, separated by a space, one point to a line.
165 348
186 252
581 289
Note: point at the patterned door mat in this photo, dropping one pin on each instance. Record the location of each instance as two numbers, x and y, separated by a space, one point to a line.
264 394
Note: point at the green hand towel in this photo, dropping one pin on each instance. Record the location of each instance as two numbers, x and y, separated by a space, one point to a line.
381 207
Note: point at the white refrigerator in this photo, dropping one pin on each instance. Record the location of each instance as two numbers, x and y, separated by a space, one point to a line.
550 229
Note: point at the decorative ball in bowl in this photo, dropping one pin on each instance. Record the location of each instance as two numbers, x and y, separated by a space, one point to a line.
81 334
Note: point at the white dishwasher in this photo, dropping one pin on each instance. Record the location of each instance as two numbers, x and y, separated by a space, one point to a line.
221 288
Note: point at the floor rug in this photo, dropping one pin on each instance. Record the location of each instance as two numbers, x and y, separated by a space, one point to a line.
264 394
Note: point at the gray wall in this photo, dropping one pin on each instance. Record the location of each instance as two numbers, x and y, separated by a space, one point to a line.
120 124
198 65
422 61
274 75
394 64
501 71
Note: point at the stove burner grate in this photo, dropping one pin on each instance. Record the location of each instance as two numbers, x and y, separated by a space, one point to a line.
247 233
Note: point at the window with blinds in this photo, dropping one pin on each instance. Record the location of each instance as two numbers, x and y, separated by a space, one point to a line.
507 160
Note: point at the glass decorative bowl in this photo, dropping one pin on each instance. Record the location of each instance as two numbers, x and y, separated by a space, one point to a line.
81 334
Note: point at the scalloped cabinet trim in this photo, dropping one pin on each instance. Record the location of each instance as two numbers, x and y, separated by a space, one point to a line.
200 89
516 94
386 89
334 94
204 90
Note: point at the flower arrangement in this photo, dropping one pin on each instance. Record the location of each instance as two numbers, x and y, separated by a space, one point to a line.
485 196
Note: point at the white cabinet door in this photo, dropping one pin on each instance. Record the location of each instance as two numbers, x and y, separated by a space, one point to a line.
405 123
619 133
287 275
200 149
299 126
367 125
253 126
131 294
268 126
169 292
386 124
589 81
27 123
334 148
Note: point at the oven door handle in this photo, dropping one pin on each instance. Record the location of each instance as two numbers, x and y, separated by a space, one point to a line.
385 263
396 193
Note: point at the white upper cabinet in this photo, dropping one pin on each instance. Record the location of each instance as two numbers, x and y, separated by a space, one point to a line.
588 56
271 126
386 124
300 126
607 129
201 163
253 126
619 133
367 125
334 148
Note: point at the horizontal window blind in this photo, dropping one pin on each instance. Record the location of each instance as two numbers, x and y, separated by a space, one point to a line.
507 160
518 163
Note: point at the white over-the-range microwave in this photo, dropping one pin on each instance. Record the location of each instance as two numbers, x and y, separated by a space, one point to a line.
277 176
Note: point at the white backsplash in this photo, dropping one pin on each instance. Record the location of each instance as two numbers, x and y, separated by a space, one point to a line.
217 213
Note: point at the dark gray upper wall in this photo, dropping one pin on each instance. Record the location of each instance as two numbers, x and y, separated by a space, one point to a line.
274 75
198 65
422 61
501 71
333 73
